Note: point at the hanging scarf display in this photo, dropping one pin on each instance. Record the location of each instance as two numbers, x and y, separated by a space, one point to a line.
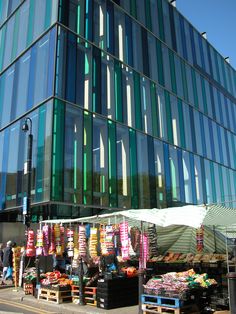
135 239
143 250
75 261
82 241
52 247
103 240
39 242
45 240
57 236
124 238
70 241
30 249
62 233
93 242
152 240
109 239
200 239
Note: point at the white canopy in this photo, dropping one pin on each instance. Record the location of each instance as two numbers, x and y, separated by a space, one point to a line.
190 215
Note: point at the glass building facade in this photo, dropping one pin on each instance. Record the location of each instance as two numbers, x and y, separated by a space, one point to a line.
131 107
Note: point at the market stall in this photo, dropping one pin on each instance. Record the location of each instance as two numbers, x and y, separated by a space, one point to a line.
121 246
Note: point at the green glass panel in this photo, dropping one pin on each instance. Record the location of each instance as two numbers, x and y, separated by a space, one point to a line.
58 150
168 117
88 158
160 64
30 23
15 35
155 116
137 101
213 182
221 184
204 95
118 91
195 94
133 169
184 80
47 21
148 15
2 45
112 164
172 71
133 8
160 19
40 155
181 123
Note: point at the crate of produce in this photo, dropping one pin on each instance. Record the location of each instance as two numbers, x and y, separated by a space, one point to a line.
54 296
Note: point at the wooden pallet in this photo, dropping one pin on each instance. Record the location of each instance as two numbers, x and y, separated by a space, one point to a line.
90 294
156 309
54 296
161 301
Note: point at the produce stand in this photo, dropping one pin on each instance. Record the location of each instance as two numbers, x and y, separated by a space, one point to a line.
110 236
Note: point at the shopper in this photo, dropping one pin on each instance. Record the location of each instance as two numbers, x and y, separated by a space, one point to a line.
1 257
7 262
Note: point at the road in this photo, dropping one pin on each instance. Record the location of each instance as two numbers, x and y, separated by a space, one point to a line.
15 301
9 307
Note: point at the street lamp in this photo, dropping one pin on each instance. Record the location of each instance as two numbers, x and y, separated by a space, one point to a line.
28 170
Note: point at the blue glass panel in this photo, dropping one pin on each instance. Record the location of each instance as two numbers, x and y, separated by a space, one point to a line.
227 147
201 50
193 129
220 107
193 45
51 61
110 28
89 20
4 169
220 144
128 40
183 38
212 102
181 176
203 181
209 58
212 140
202 135
193 183
30 98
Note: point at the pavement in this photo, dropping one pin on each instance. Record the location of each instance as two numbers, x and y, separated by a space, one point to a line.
16 297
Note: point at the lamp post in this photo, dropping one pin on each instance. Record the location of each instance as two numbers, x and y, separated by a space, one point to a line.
28 172
27 127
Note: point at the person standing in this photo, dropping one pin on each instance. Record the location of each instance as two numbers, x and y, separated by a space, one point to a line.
1 256
7 261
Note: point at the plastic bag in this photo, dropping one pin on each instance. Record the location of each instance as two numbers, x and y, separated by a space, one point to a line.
9 273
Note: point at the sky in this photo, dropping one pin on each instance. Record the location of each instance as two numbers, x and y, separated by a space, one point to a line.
218 19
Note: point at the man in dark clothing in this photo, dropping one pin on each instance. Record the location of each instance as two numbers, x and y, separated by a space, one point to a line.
7 260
